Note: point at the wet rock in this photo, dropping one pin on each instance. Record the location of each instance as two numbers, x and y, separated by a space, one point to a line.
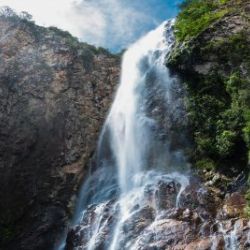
234 205
206 229
175 228
94 229
204 244
171 225
141 218
167 233
166 195
218 243
198 199
137 223
173 213
72 238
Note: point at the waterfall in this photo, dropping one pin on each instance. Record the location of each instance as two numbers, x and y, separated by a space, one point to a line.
230 238
139 154
130 126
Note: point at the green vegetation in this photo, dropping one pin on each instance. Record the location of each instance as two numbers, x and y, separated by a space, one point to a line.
219 107
83 50
219 98
196 15
218 129
74 42
24 19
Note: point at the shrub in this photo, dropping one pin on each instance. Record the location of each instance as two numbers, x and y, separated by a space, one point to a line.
232 85
225 142
246 130
205 145
207 164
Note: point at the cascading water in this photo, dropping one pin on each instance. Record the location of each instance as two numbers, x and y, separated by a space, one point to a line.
137 160
230 238
129 124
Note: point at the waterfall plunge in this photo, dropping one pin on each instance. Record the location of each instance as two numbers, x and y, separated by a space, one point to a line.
134 155
128 122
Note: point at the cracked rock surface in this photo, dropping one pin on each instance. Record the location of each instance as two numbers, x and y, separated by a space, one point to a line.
54 95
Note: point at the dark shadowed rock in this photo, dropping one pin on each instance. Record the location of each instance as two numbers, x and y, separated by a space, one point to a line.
54 95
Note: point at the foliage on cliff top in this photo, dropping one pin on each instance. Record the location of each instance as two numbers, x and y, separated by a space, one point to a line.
26 21
196 15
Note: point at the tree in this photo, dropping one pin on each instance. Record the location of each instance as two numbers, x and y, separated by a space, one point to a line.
26 16
7 12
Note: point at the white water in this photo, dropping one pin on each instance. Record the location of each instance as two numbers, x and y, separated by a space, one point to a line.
133 158
128 121
130 126
230 237
138 196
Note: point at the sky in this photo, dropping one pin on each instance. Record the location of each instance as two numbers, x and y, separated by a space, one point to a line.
112 24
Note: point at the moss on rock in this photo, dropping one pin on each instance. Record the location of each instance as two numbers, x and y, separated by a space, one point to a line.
212 56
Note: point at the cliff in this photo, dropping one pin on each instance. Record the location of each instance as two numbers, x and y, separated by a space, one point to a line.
212 56
54 95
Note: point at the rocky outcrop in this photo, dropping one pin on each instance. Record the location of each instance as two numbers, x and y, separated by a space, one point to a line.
215 67
54 95
198 55
197 219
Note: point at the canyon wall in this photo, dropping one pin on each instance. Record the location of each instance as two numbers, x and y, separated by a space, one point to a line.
54 95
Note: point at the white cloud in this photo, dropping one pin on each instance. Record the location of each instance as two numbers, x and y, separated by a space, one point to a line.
108 23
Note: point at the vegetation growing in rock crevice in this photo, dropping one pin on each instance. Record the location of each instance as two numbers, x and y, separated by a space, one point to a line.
218 121
214 61
222 129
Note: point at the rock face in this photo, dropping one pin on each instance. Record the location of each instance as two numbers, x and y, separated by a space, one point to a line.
215 66
194 56
54 95
210 212
202 221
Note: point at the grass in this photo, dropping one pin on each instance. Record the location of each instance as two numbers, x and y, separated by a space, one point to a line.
197 15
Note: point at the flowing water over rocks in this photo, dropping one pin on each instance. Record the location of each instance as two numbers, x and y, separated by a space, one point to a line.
141 195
